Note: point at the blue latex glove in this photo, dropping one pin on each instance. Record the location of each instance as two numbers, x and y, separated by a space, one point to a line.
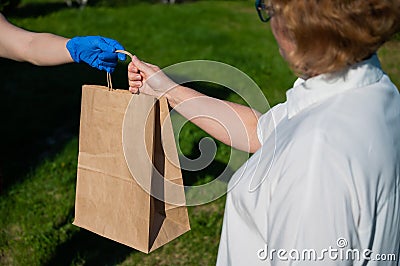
97 51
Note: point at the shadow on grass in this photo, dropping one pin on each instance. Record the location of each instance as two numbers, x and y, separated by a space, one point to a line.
87 248
40 112
90 249
207 174
37 9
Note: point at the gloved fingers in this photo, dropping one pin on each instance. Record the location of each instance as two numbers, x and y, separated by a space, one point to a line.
109 67
97 51
107 64
104 46
108 57
113 43
121 57
117 46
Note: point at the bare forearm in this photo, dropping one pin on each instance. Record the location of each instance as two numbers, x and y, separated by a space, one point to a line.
231 123
36 48
47 49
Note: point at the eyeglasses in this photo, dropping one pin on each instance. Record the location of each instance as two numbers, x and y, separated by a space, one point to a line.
264 11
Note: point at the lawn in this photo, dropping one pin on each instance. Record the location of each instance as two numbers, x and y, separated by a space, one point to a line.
40 120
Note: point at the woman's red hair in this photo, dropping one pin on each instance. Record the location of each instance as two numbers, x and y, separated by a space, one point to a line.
332 34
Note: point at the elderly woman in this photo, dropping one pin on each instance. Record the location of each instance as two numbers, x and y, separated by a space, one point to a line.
332 192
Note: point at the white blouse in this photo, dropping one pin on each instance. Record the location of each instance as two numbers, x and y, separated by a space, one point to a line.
324 188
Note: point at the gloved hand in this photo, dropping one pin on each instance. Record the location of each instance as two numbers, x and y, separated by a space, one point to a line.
97 51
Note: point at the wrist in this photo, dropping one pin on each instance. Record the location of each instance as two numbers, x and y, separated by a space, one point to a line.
71 46
169 95
68 53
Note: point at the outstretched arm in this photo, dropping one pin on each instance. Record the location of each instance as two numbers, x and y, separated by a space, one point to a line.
36 48
45 49
231 123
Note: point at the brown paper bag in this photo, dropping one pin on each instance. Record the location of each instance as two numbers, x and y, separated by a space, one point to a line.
109 199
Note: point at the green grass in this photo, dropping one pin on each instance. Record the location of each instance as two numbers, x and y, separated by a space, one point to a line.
36 214
40 118
390 58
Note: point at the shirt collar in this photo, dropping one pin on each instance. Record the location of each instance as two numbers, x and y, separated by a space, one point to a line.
318 88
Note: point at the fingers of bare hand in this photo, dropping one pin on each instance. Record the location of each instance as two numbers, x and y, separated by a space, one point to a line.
134 90
132 76
132 68
135 83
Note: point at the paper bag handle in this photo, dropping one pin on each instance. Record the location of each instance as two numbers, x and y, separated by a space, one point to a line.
109 82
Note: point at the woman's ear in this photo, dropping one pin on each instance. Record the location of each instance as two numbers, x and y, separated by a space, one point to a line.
285 41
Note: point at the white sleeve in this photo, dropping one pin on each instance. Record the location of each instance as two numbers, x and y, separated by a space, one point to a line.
267 122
